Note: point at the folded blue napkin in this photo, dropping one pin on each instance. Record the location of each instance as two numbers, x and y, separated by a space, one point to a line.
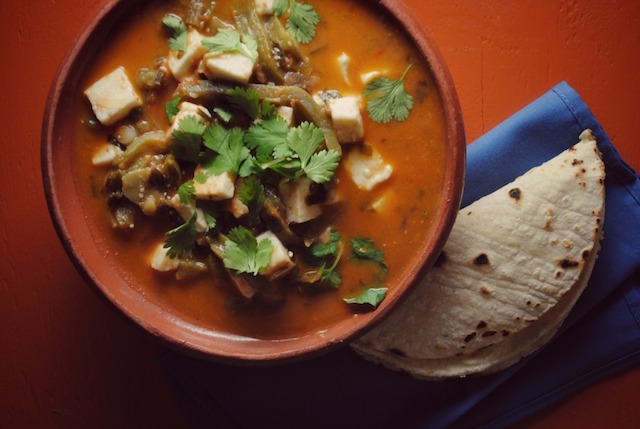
341 390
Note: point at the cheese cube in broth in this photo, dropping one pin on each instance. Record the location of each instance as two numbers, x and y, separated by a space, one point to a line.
228 66
367 169
113 97
347 118
106 154
182 64
294 196
216 187
160 260
280 261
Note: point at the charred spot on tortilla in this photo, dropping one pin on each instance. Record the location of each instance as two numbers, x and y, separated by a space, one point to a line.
515 193
489 334
481 259
481 325
485 291
586 253
577 161
567 263
470 337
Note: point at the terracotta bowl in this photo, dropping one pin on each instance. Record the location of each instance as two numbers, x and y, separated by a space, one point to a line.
100 267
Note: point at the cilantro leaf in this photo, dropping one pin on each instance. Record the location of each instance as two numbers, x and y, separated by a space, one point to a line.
387 99
178 43
171 108
322 250
187 193
304 140
370 296
330 277
322 165
251 193
364 249
230 149
173 24
187 138
330 253
223 114
228 40
180 241
302 19
280 7
244 254
248 101
265 136
212 222
177 30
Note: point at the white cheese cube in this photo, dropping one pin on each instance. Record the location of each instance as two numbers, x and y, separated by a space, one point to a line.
112 97
106 154
264 7
367 169
182 64
187 109
347 118
160 260
228 66
216 187
280 261
237 208
286 113
294 196
186 212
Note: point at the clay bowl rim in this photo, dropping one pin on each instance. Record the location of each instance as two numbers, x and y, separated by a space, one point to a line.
84 252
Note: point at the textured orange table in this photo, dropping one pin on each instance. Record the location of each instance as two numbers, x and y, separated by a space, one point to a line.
68 360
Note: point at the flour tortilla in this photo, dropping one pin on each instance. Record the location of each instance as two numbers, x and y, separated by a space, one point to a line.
514 265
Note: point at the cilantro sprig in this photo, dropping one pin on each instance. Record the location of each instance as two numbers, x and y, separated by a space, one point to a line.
302 18
330 253
187 138
231 155
387 99
248 101
228 40
252 194
304 141
180 241
177 30
244 253
371 297
364 249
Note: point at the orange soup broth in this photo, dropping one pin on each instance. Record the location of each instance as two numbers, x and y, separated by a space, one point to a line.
411 197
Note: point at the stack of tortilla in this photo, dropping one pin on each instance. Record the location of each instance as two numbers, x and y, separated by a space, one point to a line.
515 264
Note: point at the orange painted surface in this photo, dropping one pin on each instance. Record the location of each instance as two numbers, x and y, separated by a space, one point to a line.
68 360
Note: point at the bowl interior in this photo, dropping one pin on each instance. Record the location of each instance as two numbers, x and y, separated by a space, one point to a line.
102 268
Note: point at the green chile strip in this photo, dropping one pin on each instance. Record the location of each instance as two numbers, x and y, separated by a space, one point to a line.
249 22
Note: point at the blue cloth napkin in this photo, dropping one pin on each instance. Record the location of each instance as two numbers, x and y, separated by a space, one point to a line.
341 390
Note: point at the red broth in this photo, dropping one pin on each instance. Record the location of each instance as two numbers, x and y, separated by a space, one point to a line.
414 147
